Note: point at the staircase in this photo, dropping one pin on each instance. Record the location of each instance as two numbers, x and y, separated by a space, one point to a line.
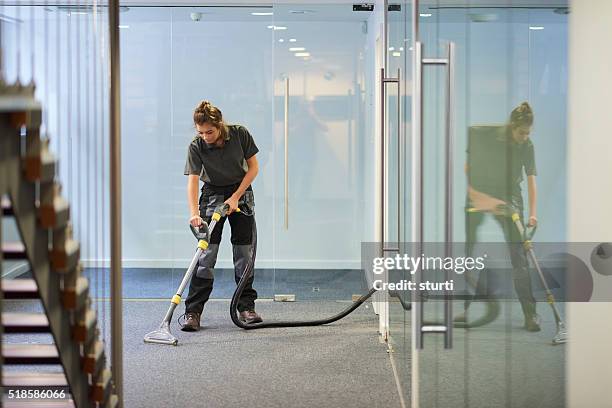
31 195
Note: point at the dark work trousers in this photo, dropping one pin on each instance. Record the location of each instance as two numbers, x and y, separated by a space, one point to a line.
242 227
486 285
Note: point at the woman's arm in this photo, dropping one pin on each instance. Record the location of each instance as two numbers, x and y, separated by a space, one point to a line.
250 175
192 200
532 190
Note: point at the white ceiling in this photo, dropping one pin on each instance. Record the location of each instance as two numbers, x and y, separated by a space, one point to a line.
336 10
305 3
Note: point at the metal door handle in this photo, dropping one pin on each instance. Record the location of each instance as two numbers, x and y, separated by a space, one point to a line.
449 136
383 81
447 327
286 153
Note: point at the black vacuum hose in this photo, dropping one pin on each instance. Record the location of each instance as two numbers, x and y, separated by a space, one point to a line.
490 315
248 272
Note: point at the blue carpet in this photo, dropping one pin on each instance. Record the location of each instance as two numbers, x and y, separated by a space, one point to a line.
305 284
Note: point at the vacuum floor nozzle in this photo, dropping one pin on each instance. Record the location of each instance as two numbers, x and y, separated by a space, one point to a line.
161 336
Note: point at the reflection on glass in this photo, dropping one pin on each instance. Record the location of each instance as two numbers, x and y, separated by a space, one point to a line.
497 158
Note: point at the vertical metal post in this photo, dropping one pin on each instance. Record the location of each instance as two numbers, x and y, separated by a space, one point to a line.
449 219
399 160
385 33
417 187
415 22
115 201
416 311
382 161
382 297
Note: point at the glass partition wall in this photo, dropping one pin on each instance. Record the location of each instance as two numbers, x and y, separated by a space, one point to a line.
305 79
322 150
502 57
173 58
296 76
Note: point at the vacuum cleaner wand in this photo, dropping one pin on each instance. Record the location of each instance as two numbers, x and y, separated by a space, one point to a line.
526 234
163 335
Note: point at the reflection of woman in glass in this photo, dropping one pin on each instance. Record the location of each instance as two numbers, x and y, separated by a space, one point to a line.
497 157
223 157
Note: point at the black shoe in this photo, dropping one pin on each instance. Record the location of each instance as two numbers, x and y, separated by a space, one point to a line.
532 323
532 320
192 322
250 317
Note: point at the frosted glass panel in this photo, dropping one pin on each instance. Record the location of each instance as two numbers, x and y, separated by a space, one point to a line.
330 154
171 61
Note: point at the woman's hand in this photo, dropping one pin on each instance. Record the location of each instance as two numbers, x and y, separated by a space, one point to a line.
533 221
233 204
196 221
486 203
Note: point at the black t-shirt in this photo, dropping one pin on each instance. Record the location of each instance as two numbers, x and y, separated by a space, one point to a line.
221 166
496 162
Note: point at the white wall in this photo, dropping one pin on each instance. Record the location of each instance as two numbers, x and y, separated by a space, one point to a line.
589 370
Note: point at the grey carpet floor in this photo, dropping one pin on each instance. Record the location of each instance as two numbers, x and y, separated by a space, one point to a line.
497 365
224 366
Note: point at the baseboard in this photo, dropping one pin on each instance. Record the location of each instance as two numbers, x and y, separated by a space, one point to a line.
228 263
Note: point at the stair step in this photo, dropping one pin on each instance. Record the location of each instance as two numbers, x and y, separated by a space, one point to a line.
25 322
19 289
65 259
112 402
55 215
40 168
33 380
37 403
101 389
7 207
30 354
94 359
74 298
14 251
25 112
85 330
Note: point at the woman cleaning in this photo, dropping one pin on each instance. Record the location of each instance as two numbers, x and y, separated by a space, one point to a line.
224 158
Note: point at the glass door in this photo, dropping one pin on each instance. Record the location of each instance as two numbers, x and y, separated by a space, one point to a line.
397 201
489 111
324 151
